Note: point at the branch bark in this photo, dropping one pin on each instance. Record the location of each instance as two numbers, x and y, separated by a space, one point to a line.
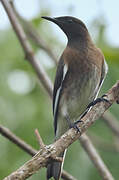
43 157
27 148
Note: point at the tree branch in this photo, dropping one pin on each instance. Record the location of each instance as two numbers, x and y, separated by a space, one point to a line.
27 148
42 158
19 142
67 176
40 141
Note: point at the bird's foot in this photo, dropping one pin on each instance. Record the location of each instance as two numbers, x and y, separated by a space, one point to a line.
93 103
101 99
74 124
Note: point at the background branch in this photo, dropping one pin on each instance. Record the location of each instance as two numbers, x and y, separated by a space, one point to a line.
19 142
112 123
103 144
27 48
95 158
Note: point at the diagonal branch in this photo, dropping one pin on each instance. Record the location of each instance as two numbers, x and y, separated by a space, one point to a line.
19 142
43 157
103 144
94 156
27 148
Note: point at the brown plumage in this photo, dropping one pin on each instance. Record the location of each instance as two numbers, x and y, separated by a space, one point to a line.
80 74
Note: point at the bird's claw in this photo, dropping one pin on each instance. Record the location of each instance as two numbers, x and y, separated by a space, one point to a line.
74 125
78 121
101 99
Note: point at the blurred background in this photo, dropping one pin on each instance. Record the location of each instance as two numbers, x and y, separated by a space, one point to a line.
25 105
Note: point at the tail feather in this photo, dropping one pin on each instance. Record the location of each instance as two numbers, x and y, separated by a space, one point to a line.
54 168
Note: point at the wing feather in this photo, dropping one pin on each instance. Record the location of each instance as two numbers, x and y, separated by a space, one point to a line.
60 76
103 74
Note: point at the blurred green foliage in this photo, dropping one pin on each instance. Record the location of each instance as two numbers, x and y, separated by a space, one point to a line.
24 111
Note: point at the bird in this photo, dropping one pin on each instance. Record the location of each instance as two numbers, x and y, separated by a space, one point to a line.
80 74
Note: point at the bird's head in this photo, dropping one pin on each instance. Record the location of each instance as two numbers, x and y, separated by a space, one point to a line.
72 27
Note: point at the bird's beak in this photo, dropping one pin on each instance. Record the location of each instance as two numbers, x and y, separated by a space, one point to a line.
51 19
57 21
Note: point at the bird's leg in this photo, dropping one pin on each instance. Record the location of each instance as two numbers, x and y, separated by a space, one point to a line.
101 99
92 104
72 125
82 115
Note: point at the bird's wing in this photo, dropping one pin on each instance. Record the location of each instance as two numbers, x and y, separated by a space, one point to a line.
60 76
103 74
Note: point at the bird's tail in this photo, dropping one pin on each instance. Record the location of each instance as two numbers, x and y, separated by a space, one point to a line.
54 168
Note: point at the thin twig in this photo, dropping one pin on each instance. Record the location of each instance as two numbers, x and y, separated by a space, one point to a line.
42 158
67 176
40 141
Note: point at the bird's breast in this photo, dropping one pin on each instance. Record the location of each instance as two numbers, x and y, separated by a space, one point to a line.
80 88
